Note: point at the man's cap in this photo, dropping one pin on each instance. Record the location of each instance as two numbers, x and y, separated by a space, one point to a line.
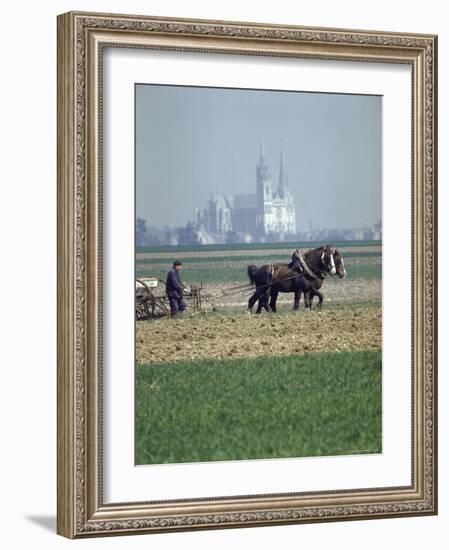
177 262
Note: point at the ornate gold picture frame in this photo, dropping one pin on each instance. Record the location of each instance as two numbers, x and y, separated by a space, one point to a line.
82 40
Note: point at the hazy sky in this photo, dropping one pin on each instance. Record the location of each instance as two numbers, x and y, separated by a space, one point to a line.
192 142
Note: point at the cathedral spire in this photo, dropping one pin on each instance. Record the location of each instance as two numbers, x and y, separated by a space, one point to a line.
263 174
283 181
261 151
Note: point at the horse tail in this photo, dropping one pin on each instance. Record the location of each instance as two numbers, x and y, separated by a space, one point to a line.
251 270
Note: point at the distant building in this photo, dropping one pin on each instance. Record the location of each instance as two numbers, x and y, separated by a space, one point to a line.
267 214
377 231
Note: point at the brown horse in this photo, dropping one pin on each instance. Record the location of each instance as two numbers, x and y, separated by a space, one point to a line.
297 277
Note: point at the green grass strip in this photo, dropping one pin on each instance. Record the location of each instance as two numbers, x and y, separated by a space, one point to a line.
292 406
252 246
223 274
247 259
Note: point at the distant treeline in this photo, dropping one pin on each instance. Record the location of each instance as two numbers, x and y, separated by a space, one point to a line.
155 236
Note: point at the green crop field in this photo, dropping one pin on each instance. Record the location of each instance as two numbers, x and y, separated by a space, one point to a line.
252 246
228 409
244 257
221 273
221 264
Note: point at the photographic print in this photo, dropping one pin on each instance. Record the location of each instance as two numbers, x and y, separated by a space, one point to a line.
258 274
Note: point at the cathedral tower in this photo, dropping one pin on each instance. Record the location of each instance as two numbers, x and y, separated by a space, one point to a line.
284 202
283 181
264 193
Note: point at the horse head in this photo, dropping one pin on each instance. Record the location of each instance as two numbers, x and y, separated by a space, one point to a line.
327 260
339 264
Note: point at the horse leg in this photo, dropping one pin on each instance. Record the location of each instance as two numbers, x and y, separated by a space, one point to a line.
263 302
297 299
267 301
253 300
260 296
320 298
307 303
274 297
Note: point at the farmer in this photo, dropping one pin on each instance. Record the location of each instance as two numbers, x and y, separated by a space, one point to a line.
174 288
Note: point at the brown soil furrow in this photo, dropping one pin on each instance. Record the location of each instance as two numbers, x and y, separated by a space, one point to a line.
241 335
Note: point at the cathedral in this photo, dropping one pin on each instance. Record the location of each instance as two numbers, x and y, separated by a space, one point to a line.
269 214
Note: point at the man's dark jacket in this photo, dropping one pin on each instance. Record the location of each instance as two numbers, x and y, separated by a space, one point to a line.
174 286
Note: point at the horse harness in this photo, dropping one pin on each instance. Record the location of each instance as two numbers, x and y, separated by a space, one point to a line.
308 271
